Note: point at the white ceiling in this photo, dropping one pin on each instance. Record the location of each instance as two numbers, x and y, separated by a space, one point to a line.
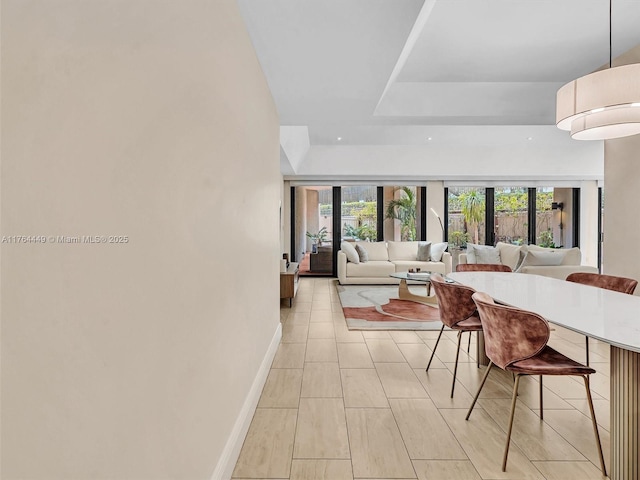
397 72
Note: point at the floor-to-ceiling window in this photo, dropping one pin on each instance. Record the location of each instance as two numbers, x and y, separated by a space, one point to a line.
466 208
517 215
511 215
476 214
359 211
544 217
402 213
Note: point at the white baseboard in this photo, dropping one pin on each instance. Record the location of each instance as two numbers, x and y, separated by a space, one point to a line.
231 452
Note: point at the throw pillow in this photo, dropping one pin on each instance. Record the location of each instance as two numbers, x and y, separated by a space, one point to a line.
424 252
570 256
536 258
489 255
483 254
362 253
350 251
437 250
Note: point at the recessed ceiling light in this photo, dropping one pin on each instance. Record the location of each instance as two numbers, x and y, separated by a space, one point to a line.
339 138
529 138
429 138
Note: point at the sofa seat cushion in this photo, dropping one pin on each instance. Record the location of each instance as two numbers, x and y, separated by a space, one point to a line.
402 250
405 265
377 251
372 268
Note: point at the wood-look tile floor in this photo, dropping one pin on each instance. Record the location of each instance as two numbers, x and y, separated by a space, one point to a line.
342 404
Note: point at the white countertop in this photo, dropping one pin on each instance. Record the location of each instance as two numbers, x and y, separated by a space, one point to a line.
605 315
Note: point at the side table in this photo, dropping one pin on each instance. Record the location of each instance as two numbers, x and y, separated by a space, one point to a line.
289 282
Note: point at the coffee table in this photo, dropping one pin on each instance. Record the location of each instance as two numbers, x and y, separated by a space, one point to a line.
421 277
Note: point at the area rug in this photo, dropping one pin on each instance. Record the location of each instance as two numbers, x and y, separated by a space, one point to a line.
377 307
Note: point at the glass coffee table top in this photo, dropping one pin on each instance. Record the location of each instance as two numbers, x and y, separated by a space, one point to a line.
419 276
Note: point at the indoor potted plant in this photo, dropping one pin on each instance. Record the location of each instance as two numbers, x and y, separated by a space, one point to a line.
317 238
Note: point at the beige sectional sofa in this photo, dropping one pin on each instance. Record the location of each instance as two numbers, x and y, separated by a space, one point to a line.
548 262
385 258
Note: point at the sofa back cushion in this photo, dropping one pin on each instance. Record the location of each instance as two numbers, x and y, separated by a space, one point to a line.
573 256
509 254
402 250
376 250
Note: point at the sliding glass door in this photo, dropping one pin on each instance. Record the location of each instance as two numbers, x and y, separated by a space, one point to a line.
313 230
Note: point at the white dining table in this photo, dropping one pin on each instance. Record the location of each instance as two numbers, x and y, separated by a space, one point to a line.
608 316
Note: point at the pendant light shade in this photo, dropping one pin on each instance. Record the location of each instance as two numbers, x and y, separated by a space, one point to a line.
601 105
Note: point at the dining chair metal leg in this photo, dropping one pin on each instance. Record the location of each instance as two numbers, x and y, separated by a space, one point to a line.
586 344
595 424
475 399
455 367
541 410
434 348
469 344
513 411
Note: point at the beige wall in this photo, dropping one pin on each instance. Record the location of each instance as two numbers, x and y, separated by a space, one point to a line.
435 200
149 119
312 214
589 212
622 198
301 223
391 231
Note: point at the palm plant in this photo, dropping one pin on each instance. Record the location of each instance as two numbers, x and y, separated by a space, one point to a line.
404 209
473 210
317 238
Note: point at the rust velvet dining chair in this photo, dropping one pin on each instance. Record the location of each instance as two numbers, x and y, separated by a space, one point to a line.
482 267
457 311
608 282
516 341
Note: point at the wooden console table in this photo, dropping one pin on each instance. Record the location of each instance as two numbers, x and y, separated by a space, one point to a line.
289 282
321 262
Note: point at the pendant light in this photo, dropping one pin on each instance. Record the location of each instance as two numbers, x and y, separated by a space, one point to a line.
603 104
